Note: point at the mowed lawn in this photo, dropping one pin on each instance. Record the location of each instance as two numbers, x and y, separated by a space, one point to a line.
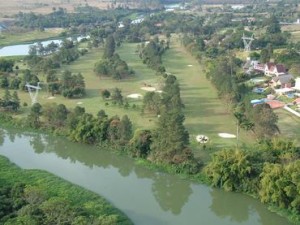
205 113
289 125
93 101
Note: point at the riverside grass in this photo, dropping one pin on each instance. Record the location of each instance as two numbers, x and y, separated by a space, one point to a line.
56 187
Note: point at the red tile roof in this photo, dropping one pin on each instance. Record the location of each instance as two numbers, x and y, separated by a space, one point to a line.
280 68
275 104
269 65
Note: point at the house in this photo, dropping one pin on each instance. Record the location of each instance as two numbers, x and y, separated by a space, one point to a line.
272 69
297 84
283 81
268 67
259 67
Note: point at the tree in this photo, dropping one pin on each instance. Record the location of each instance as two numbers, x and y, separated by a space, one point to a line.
109 47
273 25
229 169
61 114
264 56
6 65
265 121
125 129
280 185
170 138
15 101
57 211
4 83
140 143
105 94
33 118
152 102
117 96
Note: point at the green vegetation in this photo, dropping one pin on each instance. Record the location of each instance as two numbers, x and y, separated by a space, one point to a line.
111 65
36 197
196 87
19 37
151 54
268 170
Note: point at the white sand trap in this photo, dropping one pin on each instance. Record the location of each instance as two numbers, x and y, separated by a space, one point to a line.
51 97
135 96
159 91
148 88
189 65
202 138
226 135
79 103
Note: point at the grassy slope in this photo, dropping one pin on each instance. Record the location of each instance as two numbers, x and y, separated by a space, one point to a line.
31 36
54 186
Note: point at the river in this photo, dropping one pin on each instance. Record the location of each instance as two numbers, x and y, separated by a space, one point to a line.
145 196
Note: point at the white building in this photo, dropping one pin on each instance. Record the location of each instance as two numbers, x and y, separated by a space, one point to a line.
297 84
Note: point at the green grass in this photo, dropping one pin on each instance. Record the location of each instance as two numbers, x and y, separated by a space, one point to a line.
93 102
289 124
26 37
205 113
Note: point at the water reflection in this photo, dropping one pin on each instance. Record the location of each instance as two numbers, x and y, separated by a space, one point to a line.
145 196
170 193
229 205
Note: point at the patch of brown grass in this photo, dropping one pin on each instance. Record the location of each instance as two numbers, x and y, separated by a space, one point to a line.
12 7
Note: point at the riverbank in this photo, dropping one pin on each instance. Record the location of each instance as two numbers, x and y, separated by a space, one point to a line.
91 205
145 196
200 177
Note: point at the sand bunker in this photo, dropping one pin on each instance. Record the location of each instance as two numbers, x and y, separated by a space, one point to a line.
135 96
51 97
79 103
148 88
226 135
189 65
202 138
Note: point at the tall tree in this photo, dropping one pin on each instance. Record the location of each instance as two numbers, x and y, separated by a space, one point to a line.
170 137
125 129
34 115
109 48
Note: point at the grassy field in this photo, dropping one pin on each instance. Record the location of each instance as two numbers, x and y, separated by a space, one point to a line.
11 7
31 36
94 102
289 125
295 31
205 113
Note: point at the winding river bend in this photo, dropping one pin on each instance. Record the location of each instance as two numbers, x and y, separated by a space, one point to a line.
147 197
